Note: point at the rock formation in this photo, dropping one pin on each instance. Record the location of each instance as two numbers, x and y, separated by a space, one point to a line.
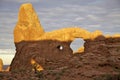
28 27
49 55
33 43
1 65
100 61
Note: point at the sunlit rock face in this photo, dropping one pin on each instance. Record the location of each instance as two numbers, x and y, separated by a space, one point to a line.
1 65
28 27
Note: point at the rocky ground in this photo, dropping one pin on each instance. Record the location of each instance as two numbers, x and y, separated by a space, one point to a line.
87 66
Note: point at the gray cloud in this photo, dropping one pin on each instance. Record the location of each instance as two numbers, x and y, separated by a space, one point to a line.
21 1
84 16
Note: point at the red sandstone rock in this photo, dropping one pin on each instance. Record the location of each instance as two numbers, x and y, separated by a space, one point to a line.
99 61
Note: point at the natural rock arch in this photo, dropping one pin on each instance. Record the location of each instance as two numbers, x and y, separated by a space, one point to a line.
32 43
37 50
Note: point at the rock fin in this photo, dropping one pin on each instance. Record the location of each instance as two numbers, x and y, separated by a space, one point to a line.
28 27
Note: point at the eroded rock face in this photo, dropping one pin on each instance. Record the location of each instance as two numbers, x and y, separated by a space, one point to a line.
99 63
44 52
101 44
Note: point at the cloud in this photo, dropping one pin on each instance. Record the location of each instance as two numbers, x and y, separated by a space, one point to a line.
114 15
7 51
4 39
21 1
79 18
86 16
95 26
92 17
114 18
7 23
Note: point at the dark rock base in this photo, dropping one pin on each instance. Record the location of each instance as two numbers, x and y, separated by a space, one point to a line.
100 61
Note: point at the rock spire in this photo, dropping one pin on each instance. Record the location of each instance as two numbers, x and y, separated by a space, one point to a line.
28 27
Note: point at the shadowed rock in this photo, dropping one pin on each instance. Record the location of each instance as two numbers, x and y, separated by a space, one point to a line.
43 52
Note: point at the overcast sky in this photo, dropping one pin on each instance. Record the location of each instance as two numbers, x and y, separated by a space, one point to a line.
92 15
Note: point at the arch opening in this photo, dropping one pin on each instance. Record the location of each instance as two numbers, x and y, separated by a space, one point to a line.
77 45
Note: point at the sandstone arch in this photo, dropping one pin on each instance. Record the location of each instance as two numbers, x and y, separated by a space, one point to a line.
50 51
44 47
66 34
28 28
